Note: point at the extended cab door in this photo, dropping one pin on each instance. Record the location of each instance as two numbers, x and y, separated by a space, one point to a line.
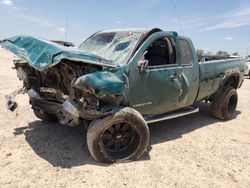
165 83
190 74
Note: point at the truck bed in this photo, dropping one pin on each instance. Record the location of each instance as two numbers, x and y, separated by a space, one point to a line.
212 72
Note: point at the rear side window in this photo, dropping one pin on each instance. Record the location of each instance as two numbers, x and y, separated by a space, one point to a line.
186 52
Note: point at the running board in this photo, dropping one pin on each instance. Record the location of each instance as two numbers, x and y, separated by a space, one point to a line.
172 115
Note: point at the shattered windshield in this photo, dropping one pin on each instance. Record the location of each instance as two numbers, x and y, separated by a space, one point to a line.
113 46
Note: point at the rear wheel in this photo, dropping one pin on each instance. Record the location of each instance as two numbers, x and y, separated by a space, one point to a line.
224 105
123 136
44 116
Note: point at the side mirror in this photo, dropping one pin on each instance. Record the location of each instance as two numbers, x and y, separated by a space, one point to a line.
143 63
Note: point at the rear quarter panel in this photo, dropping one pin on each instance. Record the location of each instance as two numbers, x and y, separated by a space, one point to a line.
212 73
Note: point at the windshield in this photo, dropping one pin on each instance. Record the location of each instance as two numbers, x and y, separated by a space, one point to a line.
113 46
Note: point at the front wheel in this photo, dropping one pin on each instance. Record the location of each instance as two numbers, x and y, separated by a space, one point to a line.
224 105
123 136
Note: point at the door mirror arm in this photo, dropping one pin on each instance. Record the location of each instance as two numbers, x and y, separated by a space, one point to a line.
143 63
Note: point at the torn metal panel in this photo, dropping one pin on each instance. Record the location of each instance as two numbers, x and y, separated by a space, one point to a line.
42 54
11 104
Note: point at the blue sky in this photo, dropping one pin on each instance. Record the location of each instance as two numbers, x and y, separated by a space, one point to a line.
212 25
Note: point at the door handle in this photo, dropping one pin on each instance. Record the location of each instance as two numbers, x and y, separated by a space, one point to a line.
175 76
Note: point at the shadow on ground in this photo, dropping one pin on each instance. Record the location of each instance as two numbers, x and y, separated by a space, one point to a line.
175 128
60 145
65 147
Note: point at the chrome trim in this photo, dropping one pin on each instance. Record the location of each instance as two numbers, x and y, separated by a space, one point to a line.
172 116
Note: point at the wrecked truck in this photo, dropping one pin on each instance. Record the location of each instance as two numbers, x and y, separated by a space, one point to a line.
119 81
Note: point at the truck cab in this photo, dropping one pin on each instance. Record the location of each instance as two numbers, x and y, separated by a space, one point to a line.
165 71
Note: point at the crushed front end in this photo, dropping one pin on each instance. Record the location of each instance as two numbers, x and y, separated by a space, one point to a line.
64 84
69 91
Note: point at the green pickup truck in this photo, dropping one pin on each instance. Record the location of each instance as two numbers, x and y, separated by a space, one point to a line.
119 81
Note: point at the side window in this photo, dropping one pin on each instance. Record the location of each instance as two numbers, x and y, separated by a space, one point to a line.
186 52
161 52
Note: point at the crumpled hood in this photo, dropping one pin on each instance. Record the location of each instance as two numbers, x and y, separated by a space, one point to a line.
42 54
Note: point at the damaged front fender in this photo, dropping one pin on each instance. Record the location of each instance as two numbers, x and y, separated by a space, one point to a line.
102 83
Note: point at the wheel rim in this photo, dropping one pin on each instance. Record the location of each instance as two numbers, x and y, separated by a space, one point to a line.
119 140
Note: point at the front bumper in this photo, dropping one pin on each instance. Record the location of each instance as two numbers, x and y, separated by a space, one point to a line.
68 111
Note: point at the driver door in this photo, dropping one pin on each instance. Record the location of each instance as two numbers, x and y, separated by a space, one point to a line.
157 87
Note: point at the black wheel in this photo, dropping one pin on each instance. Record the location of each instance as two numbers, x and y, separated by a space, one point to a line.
224 105
123 136
44 116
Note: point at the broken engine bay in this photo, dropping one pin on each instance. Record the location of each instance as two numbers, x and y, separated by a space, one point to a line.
61 92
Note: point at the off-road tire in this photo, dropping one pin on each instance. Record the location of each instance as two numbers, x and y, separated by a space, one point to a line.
44 116
137 146
224 105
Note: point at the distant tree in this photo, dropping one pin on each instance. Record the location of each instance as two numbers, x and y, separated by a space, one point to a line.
219 53
222 53
200 52
236 53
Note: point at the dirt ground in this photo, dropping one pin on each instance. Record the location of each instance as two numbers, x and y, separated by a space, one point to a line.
192 151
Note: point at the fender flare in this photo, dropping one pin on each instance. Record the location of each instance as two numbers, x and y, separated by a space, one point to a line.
229 74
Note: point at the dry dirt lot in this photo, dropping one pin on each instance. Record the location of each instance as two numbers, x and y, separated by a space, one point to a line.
192 151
